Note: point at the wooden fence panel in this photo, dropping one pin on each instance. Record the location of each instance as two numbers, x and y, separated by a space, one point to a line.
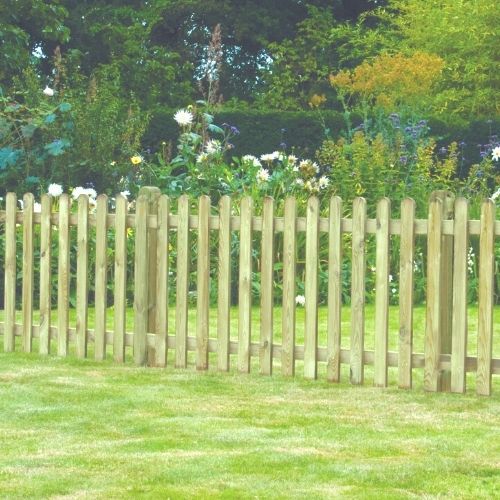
433 308
358 291
311 289
162 258
101 249
120 291
181 311
406 284
28 268
82 283
289 272
10 273
63 276
141 281
486 291
224 285
383 239
203 283
459 341
45 274
245 285
266 288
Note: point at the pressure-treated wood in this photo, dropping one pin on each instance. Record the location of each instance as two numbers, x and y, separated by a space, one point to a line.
266 288
406 284
382 292
152 194
82 272
245 285
101 249
334 290
446 288
485 299
10 273
120 291
28 269
459 341
358 291
289 271
224 284
203 282
162 257
433 299
181 311
311 290
141 282
45 274
63 275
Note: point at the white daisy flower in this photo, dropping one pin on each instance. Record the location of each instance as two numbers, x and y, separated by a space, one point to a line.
212 146
323 182
48 91
262 176
495 154
184 117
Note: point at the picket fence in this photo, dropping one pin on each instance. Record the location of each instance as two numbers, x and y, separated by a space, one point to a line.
445 361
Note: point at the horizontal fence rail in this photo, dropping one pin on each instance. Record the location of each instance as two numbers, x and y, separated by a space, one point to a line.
444 360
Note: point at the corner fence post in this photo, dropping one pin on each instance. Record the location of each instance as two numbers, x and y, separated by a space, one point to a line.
439 292
152 195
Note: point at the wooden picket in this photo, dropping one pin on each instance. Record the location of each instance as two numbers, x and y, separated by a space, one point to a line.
245 285
10 272
28 249
82 277
101 249
382 292
448 231
311 290
358 291
120 291
334 290
406 258
63 275
45 274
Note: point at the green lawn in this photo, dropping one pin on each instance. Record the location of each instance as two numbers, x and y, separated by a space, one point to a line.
80 429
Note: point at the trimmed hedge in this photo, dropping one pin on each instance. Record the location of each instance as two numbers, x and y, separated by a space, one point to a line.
260 131
303 132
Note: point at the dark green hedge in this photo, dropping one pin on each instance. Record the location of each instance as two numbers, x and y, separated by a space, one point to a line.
303 132
260 131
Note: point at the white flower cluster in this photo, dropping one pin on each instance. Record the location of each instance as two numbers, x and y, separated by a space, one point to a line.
275 155
252 160
55 190
300 300
90 192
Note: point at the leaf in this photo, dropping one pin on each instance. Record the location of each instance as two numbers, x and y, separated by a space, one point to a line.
50 118
28 130
208 118
215 129
57 147
32 180
9 157
64 106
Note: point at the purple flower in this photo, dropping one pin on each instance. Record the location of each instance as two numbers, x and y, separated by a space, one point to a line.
234 130
403 159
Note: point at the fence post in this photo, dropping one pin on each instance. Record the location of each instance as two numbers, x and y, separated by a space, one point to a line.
152 195
440 297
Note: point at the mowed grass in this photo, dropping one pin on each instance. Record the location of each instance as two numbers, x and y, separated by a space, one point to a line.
84 429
